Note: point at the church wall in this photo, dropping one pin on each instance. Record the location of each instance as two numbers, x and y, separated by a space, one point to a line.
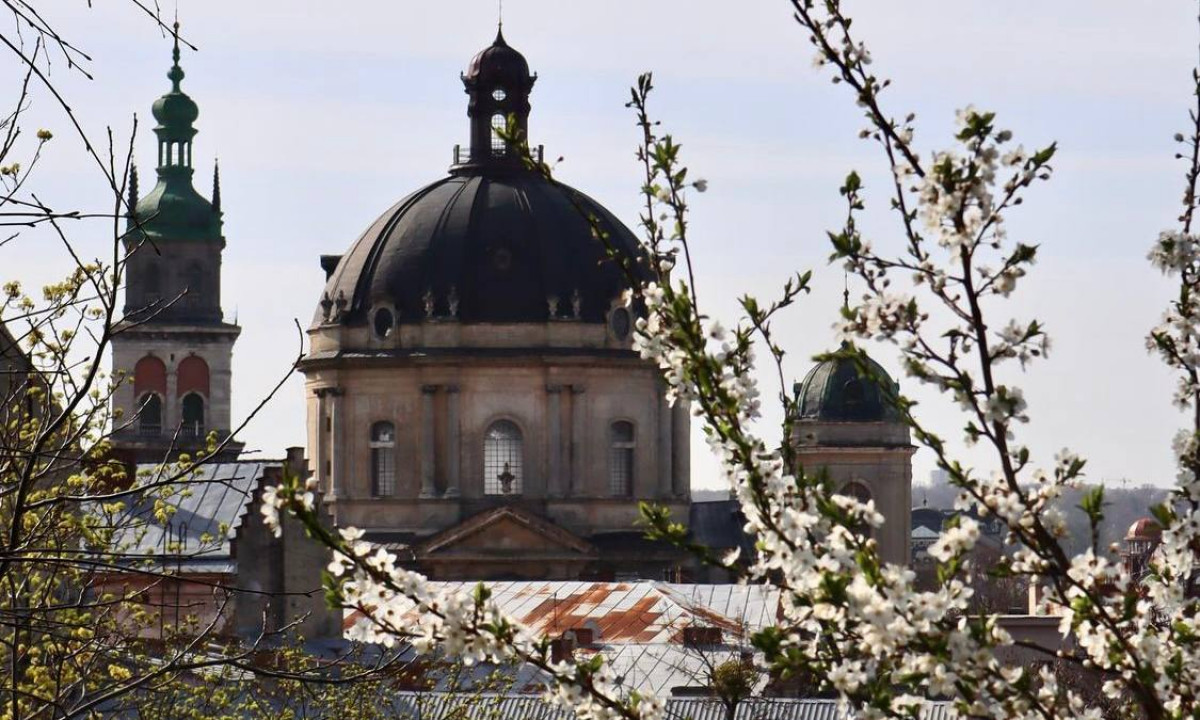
166 267
173 347
887 473
588 392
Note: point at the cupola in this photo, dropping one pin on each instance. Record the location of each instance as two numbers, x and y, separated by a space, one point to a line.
498 83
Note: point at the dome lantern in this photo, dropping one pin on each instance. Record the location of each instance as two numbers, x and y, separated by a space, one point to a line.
498 83
175 113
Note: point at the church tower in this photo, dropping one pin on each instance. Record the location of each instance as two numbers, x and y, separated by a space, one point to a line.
847 426
173 348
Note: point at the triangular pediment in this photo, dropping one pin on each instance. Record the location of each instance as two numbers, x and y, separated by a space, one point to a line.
506 532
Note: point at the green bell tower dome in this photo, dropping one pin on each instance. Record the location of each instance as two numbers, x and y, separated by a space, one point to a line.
175 349
173 209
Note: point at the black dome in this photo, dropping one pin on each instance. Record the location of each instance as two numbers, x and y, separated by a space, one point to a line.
498 63
484 247
833 391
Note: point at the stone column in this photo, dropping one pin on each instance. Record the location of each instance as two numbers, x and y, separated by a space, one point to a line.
681 447
323 480
554 484
337 444
663 409
427 440
453 442
171 415
577 484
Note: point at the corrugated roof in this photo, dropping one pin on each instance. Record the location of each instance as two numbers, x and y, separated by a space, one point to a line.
638 626
629 612
215 495
465 706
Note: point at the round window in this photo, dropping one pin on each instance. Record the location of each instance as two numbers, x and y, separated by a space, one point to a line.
498 94
619 322
384 323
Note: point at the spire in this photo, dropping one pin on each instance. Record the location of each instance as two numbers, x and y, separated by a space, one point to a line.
216 193
176 73
133 188
175 113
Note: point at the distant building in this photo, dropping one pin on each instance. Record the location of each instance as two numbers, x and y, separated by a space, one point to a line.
173 347
1142 539
848 427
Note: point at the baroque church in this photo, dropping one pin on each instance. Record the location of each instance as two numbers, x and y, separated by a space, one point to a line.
473 398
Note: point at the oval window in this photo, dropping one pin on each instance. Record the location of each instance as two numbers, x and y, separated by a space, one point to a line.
498 94
384 323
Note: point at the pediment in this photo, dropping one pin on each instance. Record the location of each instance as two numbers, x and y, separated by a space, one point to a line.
506 532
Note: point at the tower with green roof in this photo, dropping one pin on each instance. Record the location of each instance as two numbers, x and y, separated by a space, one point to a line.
174 348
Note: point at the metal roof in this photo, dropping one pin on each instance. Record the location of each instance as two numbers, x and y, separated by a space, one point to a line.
628 612
638 626
213 496
467 706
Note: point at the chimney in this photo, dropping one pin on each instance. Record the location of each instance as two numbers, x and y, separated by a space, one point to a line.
583 635
698 635
562 649
296 462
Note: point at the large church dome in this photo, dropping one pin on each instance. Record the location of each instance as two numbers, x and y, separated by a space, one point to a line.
495 242
502 245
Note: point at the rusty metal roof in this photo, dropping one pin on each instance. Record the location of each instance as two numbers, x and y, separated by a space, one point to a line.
638 626
630 612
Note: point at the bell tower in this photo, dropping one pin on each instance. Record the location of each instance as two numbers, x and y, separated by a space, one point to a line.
173 348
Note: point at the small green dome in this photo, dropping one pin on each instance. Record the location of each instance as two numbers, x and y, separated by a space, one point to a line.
833 391
175 110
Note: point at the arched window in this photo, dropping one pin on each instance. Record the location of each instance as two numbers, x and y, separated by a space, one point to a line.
861 493
193 415
383 459
149 375
499 124
503 451
192 376
150 414
858 491
620 459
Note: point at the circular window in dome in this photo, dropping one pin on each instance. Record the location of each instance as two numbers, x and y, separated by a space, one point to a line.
620 323
384 323
498 94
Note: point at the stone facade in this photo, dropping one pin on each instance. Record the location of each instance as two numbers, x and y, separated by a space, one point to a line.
876 456
172 344
442 385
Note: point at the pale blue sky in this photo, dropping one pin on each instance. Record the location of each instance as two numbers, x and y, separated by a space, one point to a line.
323 119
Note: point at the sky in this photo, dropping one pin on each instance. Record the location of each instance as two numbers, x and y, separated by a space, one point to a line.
323 118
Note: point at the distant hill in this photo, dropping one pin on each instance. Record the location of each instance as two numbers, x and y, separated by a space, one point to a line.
1124 504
